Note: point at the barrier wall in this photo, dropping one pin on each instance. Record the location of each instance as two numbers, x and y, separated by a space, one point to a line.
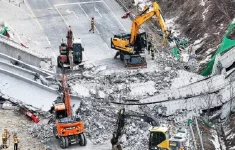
15 50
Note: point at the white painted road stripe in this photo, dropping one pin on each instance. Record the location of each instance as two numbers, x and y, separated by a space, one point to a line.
61 15
114 15
54 55
33 14
75 14
97 10
48 40
78 3
107 46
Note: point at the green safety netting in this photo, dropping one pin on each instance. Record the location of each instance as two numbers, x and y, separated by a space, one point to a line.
209 124
226 44
179 44
4 30
175 52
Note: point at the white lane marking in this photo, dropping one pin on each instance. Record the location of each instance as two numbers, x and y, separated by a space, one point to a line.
88 17
107 46
114 15
48 40
78 3
69 11
33 16
54 55
61 15
75 14
97 10
21 10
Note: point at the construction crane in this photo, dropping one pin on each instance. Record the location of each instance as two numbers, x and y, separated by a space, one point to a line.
158 137
132 46
69 129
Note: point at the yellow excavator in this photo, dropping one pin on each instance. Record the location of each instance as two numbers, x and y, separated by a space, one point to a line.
159 137
132 46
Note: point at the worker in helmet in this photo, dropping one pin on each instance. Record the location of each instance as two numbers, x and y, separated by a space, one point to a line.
5 136
16 141
153 51
47 147
69 37
150 42
92 25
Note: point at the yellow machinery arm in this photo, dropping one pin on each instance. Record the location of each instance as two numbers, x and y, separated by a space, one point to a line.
139 20
132 46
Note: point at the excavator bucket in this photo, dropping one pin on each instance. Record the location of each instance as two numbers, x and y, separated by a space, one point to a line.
135 61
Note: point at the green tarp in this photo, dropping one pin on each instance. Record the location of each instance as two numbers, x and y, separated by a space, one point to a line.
4 30
175 52
226 44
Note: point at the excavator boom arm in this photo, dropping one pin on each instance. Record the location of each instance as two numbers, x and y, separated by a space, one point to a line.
66 96
137 23
142 18
121 123
161 21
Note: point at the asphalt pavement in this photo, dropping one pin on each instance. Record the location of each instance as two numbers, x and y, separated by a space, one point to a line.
56 15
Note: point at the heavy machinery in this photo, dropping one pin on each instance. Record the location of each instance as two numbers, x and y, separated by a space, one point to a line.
132 46
70 56
158 136
69 129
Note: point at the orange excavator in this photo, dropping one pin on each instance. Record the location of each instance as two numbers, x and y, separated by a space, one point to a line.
69 129
131 47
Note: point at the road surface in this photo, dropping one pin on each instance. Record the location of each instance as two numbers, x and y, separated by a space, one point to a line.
54 16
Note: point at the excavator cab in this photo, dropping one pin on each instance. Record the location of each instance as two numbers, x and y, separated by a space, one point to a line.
59 108
133 55
77 51
141 43
60 111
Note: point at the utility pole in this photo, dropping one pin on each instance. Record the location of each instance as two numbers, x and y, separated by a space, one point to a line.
191 129
199 134
231 92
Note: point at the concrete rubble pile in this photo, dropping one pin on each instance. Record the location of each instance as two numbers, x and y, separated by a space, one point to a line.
136 134
131 84
100 119
44 132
